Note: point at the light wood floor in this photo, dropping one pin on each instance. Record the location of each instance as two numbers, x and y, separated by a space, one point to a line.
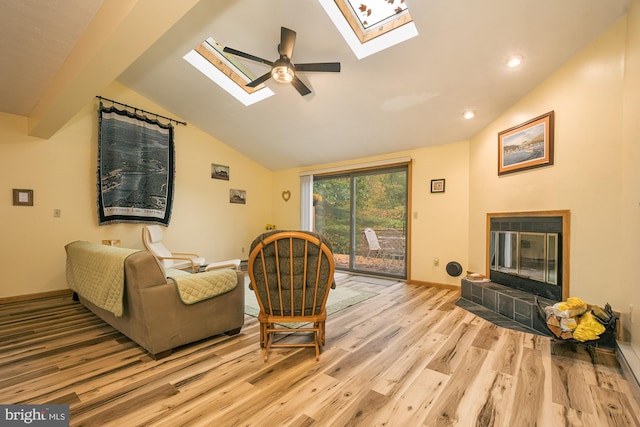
406 357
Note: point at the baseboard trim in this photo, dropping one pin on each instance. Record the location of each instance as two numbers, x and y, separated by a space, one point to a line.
40 295
630 363
434 285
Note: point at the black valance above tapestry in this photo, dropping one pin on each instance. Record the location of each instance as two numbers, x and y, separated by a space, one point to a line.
135 168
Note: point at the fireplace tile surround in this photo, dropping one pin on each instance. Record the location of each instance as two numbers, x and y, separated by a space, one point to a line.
510 300
506 264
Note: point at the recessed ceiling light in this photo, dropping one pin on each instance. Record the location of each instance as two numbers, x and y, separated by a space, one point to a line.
469 114
514 61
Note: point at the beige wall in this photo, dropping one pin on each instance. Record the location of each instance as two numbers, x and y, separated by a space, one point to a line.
62 173
439 222
630 202
587 177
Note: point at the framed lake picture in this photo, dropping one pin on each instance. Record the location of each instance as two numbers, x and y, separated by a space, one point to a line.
526 146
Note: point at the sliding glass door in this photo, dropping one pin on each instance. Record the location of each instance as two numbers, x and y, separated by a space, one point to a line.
364 215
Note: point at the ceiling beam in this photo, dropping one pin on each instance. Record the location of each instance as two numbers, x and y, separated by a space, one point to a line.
120 32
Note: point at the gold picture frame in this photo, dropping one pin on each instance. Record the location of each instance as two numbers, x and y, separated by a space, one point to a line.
526 146
22 197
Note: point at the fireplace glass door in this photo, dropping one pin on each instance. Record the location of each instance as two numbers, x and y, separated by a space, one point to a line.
533 248
528 255
552 258
507 252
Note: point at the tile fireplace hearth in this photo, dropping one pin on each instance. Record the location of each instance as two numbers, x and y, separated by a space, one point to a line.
515 309
503 306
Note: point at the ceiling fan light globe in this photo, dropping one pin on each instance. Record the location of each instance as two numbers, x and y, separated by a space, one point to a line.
282 74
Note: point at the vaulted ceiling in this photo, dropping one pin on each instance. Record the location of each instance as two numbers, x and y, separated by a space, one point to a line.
59 54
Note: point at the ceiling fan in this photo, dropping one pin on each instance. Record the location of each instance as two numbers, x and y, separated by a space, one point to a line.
282 70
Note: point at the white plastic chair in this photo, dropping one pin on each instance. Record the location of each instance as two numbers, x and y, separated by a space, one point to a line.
374 244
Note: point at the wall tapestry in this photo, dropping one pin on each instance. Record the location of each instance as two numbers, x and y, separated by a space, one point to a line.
135 168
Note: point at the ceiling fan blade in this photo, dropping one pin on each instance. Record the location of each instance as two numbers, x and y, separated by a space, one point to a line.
300 87
246 55
263 78
287 42
332 67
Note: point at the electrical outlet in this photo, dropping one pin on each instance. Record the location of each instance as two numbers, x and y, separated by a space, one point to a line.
242 250
436 262
57 213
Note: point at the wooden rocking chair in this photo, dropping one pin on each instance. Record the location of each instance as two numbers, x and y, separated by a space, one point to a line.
291 274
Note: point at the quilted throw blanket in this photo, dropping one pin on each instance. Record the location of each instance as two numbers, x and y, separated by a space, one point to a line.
96 272
201 286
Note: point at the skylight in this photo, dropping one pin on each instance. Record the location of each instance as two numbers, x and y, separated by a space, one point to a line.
369 26
375 13
226 71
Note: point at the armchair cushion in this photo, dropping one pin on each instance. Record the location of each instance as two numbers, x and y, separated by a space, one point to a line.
194 288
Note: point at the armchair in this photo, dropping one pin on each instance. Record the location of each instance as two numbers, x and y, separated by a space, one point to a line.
152 241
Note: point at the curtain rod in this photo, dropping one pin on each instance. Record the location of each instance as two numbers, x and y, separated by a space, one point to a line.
141 110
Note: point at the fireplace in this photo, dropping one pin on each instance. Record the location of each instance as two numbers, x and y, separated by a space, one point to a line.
529 251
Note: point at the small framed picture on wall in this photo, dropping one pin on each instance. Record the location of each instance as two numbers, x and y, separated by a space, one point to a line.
219 172
437 185
22 197
238 196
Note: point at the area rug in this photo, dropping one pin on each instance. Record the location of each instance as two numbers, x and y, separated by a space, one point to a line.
339 299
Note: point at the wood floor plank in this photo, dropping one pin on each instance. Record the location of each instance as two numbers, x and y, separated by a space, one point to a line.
409 363
448 409
407 356
568 386
362 411
488 336
495 409
303 396
270 387
614 408
508 352
410 407
530 391
565 416
453 349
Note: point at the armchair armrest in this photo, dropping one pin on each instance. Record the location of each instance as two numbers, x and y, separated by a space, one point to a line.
233 263
184 257
187 254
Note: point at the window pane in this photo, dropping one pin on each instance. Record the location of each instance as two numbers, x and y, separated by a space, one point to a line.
331 200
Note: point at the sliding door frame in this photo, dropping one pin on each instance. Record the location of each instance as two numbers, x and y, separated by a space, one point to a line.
355 169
